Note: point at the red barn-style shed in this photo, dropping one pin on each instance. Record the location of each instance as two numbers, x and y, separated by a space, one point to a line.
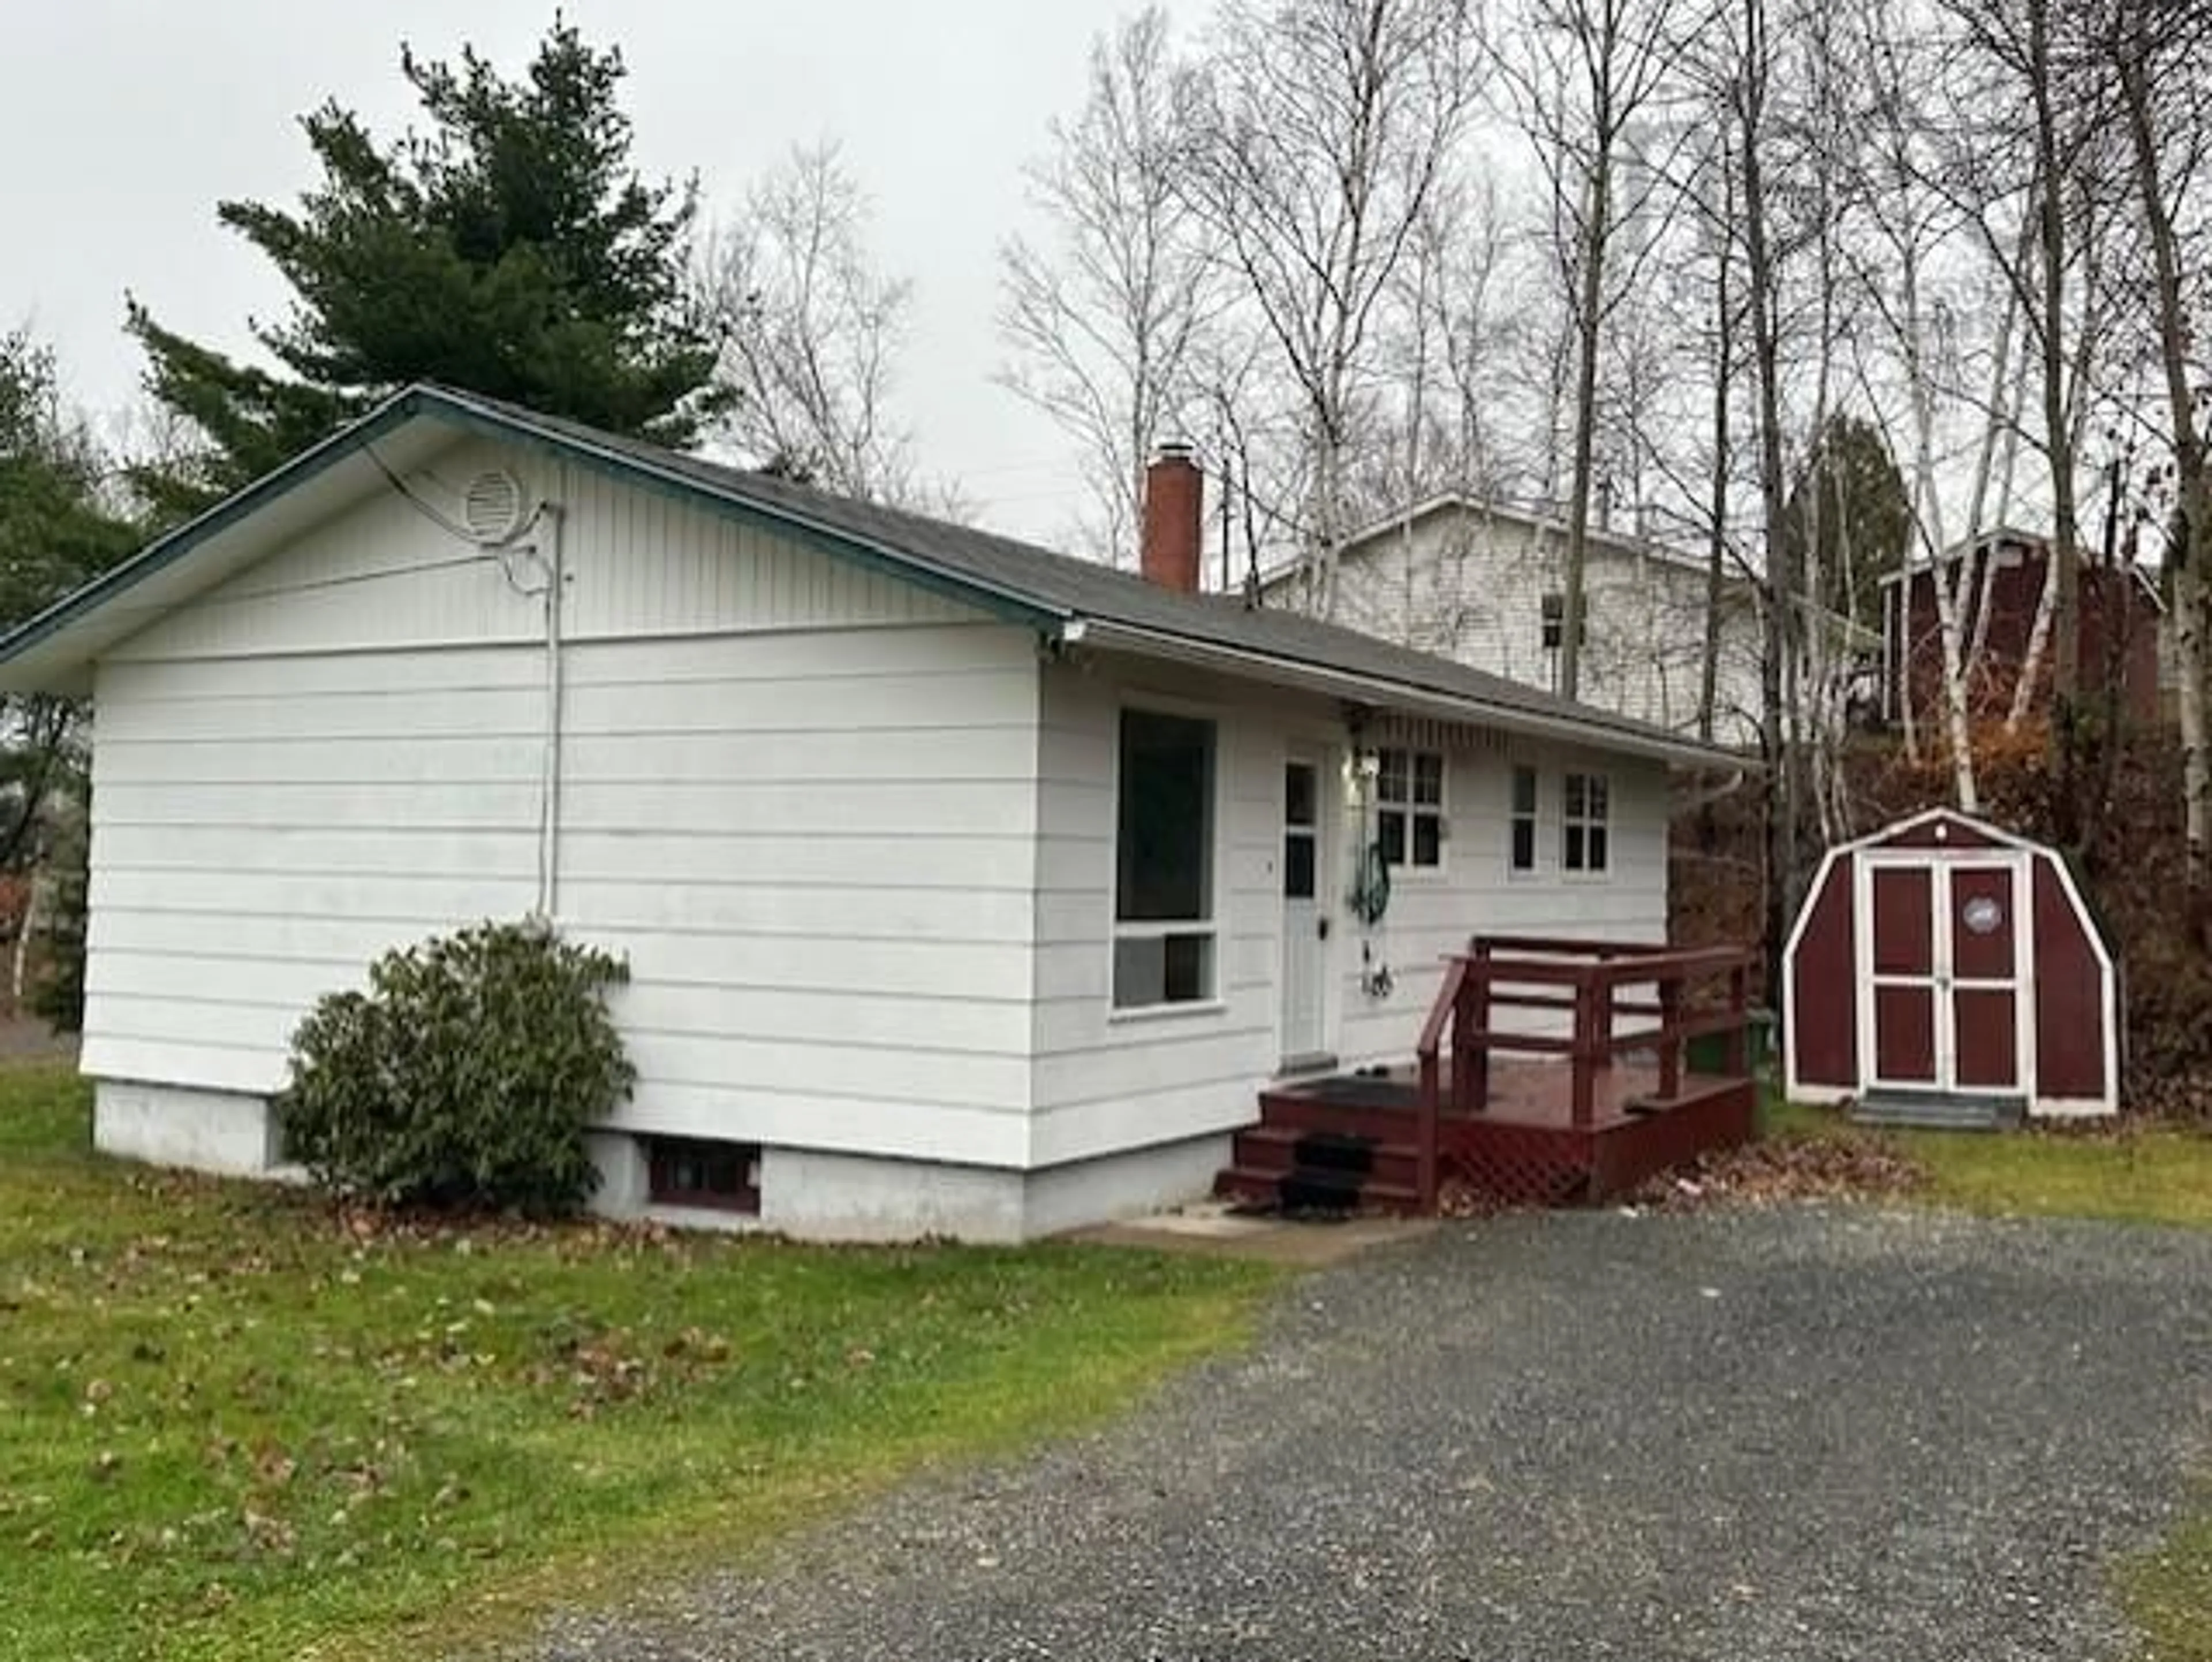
1999 592
1941 959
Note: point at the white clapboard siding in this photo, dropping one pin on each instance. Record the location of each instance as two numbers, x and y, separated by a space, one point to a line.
814 923
385 573
1471 587
799 800
1103 1082
1431 915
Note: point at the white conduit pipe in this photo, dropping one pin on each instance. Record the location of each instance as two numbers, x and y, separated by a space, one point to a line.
548 791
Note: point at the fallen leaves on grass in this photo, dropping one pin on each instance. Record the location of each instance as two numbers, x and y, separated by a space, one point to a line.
1783 1170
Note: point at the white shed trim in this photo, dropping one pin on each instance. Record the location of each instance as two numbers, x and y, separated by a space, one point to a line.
2025 856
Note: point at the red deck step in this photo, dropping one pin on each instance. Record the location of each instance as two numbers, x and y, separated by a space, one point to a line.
1294 1109
1265 1188
1523 1151
1275 1148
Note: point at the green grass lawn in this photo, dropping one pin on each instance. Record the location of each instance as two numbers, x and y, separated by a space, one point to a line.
233 1425
2131 1174
2167 1591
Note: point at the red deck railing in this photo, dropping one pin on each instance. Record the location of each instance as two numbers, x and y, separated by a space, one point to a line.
1691 992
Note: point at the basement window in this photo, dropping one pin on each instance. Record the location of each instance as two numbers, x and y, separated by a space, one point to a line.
695 1172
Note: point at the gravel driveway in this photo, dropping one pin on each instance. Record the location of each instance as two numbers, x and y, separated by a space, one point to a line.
1791 1434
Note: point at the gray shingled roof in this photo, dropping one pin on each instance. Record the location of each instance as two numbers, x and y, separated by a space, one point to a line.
1068 588
1000 572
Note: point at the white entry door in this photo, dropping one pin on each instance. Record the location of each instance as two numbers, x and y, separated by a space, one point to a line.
1305 921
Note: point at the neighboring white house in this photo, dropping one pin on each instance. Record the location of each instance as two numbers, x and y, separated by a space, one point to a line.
965 888
1485 585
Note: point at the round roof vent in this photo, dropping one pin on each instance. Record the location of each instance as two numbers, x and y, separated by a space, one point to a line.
491 507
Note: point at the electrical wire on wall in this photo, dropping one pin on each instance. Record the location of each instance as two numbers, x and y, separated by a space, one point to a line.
528 550
535 573
549 793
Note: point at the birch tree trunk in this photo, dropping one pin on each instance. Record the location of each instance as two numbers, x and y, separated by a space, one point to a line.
1723 375
2001 434
2192 576
1783 815
2051 603
2065 540
1943 576
2039 646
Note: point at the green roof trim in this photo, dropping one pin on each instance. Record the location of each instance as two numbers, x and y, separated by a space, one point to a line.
469 414
171 546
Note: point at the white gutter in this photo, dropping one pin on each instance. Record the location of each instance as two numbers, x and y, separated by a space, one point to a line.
1377 689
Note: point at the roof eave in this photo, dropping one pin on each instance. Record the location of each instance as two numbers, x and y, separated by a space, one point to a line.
25 665
919 569
1394 694
41 629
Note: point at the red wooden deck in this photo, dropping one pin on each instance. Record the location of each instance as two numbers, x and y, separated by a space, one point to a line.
1603 1108
1523 1149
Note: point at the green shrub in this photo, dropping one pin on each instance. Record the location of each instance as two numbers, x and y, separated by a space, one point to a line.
464 1076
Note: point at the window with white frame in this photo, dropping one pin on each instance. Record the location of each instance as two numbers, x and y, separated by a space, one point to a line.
1554 616
1409 809
1584 831
1163 922
1520 851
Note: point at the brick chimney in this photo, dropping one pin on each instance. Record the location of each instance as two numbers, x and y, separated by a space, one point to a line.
1172 489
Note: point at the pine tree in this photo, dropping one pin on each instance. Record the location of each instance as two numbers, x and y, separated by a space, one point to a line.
1864 516
508 249
55 534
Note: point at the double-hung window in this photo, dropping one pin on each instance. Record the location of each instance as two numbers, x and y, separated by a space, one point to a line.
1409 809
1553 614
1584 829
1521 856
1163 890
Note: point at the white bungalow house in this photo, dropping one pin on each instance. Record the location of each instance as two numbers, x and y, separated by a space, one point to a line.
1484 582
965 888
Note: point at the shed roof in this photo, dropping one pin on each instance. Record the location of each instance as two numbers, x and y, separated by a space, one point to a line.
1071 601
2033 544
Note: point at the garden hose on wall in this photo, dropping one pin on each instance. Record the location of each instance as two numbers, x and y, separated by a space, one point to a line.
1370 886
1370 901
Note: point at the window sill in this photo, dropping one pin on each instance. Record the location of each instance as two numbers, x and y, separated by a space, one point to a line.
744 1204
1419 877
1194 1008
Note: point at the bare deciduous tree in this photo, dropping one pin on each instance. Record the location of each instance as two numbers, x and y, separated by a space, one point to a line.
2026 58
2163 69
812 332
1318 132
1585 77
1910 222
1103 321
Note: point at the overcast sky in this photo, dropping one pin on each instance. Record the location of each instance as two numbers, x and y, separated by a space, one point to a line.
124 121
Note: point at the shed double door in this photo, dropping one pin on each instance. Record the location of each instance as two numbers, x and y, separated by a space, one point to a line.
1948 950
